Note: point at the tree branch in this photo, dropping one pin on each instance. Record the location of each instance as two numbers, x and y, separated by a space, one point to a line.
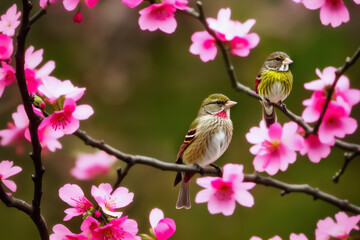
303 188
34 121
267 181
121 175
339 72
348 158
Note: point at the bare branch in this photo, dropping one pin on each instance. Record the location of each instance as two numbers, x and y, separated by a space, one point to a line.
121 175
339 72
303 188
267 181
37 16
348 158
34 121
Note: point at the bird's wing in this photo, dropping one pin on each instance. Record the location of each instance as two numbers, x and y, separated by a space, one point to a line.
257 82
189 138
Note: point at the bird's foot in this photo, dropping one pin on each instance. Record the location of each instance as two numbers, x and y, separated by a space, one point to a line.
217 168
283 106
267 101
201 170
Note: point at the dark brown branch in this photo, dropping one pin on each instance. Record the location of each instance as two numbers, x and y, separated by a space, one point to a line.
244 89
121 175
348 158
303 188
136 159
339 72
34 121
37 16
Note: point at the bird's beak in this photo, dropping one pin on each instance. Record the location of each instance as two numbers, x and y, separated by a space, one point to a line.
287 61
229 104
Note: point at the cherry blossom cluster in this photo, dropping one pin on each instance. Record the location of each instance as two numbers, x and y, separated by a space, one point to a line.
275 148
103 221
234 34
333 12
327 228
60 95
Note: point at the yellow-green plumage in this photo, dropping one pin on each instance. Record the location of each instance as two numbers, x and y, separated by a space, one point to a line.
269 78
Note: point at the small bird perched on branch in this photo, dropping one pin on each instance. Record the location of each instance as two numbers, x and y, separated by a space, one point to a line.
274 83
208 138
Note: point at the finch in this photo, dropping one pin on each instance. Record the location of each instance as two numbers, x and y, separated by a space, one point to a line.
208 138
274 83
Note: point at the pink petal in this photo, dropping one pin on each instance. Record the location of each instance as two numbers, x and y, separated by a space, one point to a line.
9 184
165 229
123 196
70 193
334 14
46 69
204 195
132 3
91 3
70 5
244 198
313 4
275 131
83 112
205 182
225 207
155 216
70 213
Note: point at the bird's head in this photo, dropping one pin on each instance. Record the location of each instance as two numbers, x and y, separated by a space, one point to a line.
277 61
217 105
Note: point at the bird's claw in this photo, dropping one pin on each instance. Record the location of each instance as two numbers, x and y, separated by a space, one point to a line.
201 170
217 168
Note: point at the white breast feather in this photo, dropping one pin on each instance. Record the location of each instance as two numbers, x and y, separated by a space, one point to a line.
216 147
276 94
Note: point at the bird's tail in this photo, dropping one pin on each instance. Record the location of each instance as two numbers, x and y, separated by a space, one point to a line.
183 200
269 114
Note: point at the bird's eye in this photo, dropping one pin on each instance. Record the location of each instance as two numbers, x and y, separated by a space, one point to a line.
278 59
218 102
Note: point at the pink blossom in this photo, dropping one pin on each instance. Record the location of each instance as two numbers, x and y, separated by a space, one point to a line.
275 147
53 89
9 21
14 135
7 76
315 149
47 136
34 76
43 3
273 238
343 94
67 120
163 228
204 45
74 196
357 1
293 236
70 5
161 16
340 229
6 47
222 193
7 170
300 236
88 166
132 3
336 123
233 34
118 228
332 12
63 233
109 201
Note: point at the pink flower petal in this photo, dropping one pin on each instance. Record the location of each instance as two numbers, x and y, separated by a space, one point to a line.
83 112
70 5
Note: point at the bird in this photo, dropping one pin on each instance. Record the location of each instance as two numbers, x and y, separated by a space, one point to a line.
273 84
207 139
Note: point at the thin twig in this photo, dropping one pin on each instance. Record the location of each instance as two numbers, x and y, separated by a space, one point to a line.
339 72
303 188
121 175
37 16
136 159
348 158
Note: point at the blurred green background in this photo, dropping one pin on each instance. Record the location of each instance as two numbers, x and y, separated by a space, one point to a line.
146 88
